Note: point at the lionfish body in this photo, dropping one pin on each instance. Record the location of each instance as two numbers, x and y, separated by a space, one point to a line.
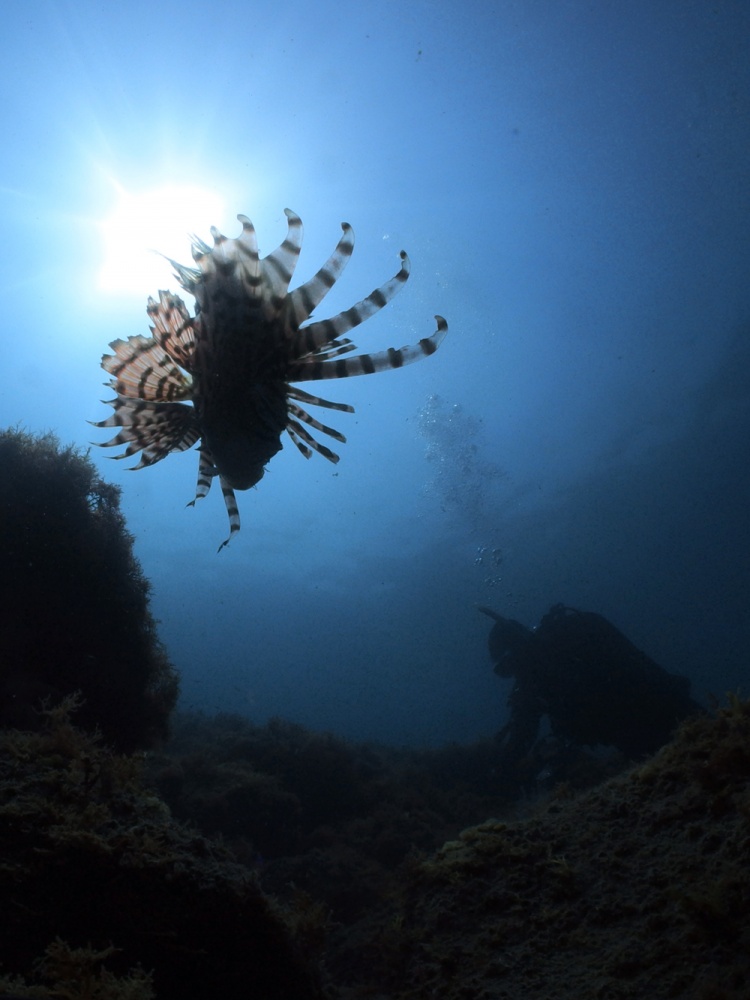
223 376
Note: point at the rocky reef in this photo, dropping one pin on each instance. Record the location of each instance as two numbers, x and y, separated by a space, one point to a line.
105 897
637 888
269 861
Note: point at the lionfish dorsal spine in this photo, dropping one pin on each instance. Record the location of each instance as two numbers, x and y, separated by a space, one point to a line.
277 268
308 296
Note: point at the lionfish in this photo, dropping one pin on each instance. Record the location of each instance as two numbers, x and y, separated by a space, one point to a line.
223 376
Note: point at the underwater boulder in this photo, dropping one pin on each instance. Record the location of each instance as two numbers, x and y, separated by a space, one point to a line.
74 603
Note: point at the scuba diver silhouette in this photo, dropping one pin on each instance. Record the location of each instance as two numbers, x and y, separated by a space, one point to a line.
593 684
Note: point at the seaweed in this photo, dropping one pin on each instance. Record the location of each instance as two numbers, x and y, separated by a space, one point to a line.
77 974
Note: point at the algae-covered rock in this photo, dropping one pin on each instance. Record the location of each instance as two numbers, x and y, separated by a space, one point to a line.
638 888
77 974
92 860
74 603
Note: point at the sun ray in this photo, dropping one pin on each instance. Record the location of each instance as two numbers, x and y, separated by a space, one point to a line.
142 221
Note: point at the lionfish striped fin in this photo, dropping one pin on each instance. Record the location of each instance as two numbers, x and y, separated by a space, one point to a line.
278 267
305 298
200 247
294 392
304 441
142 369
302 448
230 267
296 432
303 415
310 339
310 370
207 471
188 277
155 429
173 328
233 511
332 350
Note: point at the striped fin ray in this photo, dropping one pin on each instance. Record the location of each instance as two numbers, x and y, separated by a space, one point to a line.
303 449
336 347
278 267
207 471
306 297
155 429
310 339
294 392
307 443
200 247
141 369
309 370
304 416
230 267
173 328
188 277
332 350
233 511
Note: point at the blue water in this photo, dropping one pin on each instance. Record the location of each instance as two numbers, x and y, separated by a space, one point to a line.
570 181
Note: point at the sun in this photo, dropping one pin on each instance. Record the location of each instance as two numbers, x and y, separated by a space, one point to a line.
143 226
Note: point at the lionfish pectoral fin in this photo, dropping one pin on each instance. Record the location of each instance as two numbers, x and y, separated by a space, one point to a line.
294 392
310 370
142 369
319 335
155 429
174 330
305 441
